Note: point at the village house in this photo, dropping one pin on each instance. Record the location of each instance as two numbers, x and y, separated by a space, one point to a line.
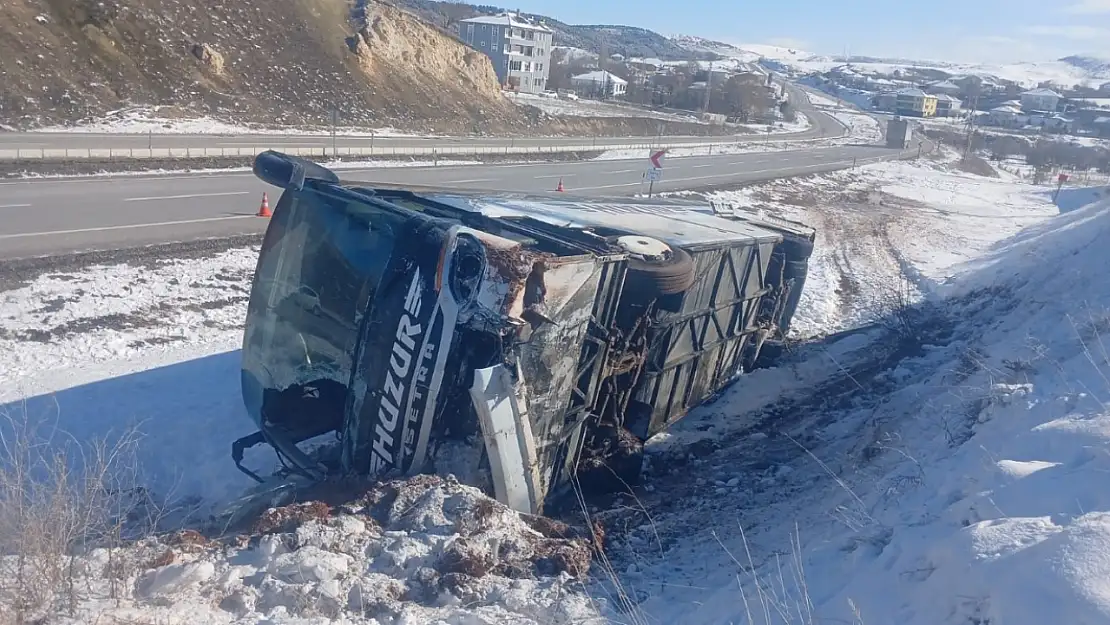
599 84
948 105
915 103
1040 100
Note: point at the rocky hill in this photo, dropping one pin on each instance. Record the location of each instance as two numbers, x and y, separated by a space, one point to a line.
631 41
278 61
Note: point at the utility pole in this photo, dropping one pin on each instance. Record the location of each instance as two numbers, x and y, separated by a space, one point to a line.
708 86
970 127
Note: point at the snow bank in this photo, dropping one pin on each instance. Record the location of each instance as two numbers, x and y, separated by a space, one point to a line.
151 347
425 550
889 226
1013 524
951 473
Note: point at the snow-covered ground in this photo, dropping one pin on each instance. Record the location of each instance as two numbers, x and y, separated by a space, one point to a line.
142 120
594 108
800 124
949 474
891 227
941 466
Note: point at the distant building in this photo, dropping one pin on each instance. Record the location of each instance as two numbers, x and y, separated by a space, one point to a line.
915 103
1102 126
1007 115
1040 100
519 49
1052 122
885 101
948 105
599 84
945 87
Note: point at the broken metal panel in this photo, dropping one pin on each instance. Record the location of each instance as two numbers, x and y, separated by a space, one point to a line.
502 409
591 371
552 354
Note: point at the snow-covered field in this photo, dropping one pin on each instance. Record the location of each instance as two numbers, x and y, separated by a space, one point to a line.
147 120
594 108
941 465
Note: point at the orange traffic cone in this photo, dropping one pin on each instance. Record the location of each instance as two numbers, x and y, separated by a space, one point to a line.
264 210
560 187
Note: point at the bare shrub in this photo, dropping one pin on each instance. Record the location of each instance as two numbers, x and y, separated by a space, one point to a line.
60 497
896 307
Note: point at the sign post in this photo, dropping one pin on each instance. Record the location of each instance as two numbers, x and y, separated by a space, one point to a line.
1060 180
333 117
656 171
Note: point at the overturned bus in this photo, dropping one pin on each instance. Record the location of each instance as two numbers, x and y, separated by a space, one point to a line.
518 341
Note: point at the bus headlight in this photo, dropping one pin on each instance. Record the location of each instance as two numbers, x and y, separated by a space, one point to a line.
468 263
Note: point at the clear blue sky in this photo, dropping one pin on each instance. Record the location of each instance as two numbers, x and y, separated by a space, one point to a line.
949 30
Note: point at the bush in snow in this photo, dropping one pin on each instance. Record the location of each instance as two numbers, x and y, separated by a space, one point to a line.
58 497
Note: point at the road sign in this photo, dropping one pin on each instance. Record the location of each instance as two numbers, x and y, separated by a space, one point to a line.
654 174
1062 178
657 159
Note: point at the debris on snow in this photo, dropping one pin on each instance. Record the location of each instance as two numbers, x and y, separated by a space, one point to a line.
426 549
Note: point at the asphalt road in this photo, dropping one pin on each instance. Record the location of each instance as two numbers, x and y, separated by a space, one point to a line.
50 217
823 126
36 141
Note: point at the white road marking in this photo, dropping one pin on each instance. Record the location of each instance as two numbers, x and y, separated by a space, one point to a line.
619 171
469 181
28 235
556 176
184 197
117 178
15 205
702 166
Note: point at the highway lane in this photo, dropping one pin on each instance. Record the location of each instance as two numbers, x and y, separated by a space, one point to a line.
823 126
323 141
56 216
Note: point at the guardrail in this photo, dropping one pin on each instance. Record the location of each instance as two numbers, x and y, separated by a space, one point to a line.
42 154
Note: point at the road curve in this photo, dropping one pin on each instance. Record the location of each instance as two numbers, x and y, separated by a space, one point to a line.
58 216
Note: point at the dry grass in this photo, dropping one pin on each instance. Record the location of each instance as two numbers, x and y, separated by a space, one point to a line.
58 498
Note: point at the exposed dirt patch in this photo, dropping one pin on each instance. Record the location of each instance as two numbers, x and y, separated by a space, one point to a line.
288 518
120 321
978 166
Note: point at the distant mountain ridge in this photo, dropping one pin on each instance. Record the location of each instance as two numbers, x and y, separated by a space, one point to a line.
1089 64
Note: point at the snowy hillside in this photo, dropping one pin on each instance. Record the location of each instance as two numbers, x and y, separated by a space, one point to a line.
748 53
944 467
1066 72
1027 74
